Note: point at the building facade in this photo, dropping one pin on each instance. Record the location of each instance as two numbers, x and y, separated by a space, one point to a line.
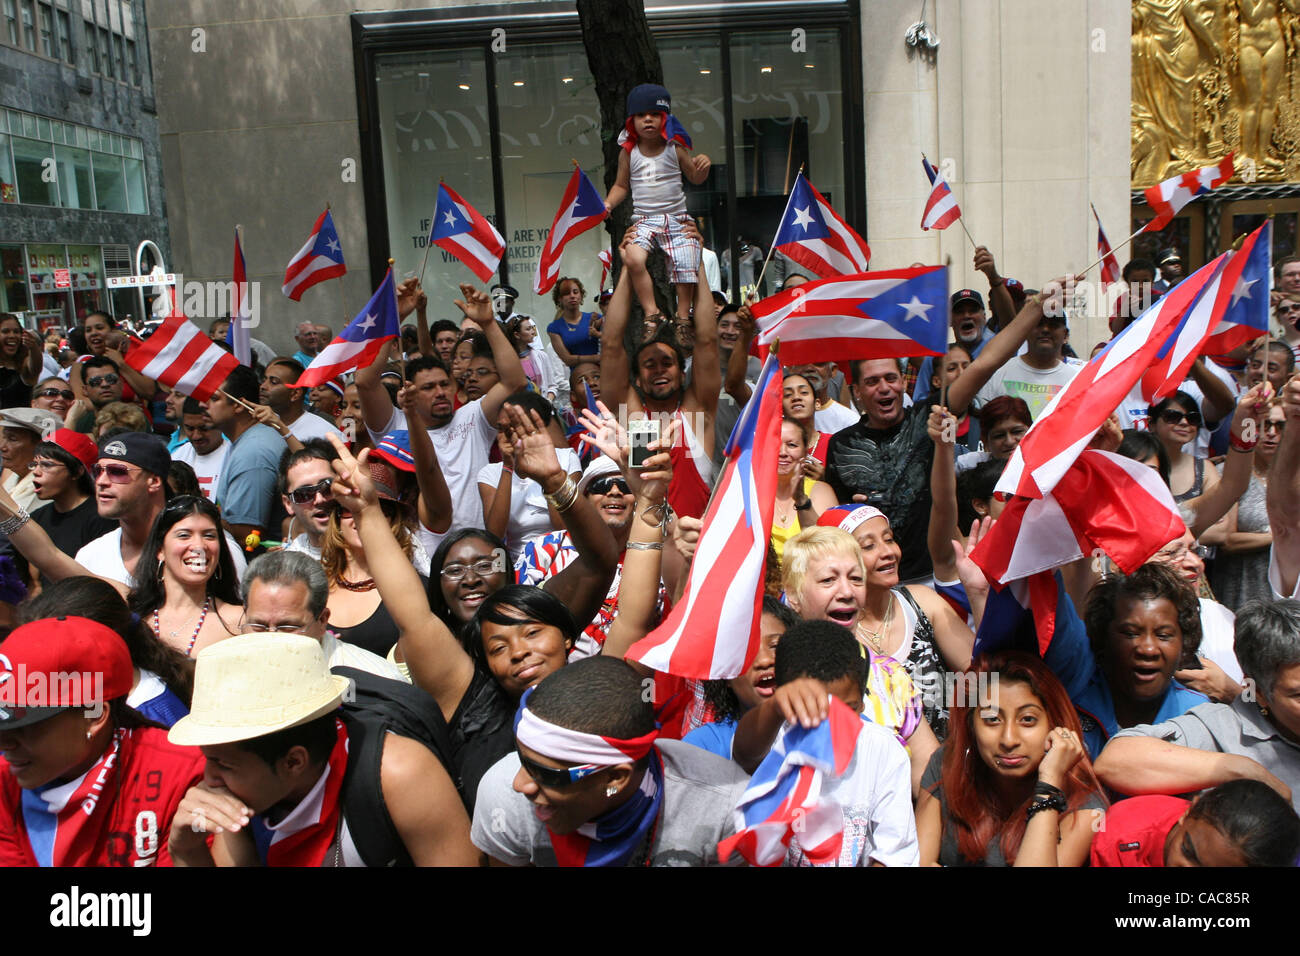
80 167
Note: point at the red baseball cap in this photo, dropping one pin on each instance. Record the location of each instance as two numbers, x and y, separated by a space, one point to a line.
57 663
77 445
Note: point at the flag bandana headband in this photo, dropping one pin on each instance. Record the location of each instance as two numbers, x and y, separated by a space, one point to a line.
561 743
857 517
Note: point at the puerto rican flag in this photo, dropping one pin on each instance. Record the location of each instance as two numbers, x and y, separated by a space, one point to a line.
462 230
237 335
1110 271
604 258
181 356
713 631
1168 197
1247 313
941 209
674 132
1103 504
815 236
1072 417
785 799
901 312
360 341
581 208
320 258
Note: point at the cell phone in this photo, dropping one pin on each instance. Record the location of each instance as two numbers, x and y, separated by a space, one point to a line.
640 435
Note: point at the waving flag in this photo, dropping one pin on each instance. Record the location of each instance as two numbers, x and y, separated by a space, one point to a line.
237 334
712 632
460 229
360 341
580 209
1110 271
900 312
814 235
941 208
181 356
320 258
1247 313
1104 504
1168 197
1067 424
604 258
784 797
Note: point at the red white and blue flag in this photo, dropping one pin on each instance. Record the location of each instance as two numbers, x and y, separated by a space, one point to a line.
320 258
1061 432
604 258
181 356
1246 316
712 633
814 235
238 336
360 341
784 798
1168 370
674 132
460 229
900 312
1110 271
1168 197
581 208
941 209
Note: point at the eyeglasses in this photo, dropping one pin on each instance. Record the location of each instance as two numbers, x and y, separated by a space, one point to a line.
99 380
1180 554
308 493
1268 423
1172 416
557 777
63 393
482 567
45 464
258 628
117 474
602 485
1287 309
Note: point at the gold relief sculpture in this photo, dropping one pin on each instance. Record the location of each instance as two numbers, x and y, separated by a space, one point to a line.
1215 75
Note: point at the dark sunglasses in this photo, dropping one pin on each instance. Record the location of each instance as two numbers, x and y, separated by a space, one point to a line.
63 393
117 474
1172 416
98 380
308 493
602 485
557 778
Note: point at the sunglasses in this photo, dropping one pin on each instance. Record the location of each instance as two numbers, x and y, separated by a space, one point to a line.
63 393
99 380
1172 416
117 474
557 778
308 493
602 485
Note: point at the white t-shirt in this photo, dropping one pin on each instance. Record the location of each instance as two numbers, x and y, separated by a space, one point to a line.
834 417
302 544
1217 630
309 425
206 467
462 446
103 557
1036 387
529 515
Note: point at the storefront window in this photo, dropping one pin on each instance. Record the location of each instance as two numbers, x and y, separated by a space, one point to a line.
137 199
36 186
110 184
43 262
786 110
74 177
434 124
8 185
13 279
87 268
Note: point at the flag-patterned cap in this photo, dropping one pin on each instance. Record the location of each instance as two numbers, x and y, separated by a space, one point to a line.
395 448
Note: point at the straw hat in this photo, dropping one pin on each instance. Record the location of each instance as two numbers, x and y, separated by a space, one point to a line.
256 684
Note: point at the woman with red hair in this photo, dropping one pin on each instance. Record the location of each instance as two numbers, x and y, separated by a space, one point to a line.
1012 785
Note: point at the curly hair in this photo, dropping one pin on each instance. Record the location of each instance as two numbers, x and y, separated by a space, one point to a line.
558 292
1150 582
121 415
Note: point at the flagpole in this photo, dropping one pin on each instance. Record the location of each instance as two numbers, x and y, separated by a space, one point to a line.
400 351
1088 268
772 248
429 239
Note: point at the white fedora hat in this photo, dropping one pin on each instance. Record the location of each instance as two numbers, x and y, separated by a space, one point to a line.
256 684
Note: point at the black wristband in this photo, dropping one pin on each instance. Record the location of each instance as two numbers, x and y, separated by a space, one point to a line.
1047 790
807 503
1046 803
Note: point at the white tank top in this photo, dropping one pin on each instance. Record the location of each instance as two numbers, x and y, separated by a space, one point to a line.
657 183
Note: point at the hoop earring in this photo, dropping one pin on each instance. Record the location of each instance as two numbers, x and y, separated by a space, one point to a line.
158 574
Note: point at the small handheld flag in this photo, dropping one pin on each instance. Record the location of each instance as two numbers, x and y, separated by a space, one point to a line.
237 334
462 230
941 209
361 341
814 235
320 258
581 208
1168 197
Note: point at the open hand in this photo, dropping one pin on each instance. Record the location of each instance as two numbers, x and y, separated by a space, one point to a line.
352 486
476 305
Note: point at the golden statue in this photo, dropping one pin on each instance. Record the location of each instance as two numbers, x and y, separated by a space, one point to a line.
1211 76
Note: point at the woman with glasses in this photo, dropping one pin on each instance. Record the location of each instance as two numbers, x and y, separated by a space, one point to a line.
187 591
20 362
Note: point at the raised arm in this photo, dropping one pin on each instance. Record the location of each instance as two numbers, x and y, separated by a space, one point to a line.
422 336
496 500
33 543
477 307
1283 496
438 663
943 495
1215 503
435 509
376 403
1216 401
706 367
615 367
738 360
1000 301
31 352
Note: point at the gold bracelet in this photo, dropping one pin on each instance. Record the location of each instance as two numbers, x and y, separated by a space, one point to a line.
565 496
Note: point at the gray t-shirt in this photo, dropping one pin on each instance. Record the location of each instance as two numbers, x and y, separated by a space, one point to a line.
700 792
1236 728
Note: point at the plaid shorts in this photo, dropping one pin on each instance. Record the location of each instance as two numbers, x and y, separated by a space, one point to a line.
682 252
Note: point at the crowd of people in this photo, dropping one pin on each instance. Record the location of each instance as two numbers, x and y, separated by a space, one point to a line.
387 620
